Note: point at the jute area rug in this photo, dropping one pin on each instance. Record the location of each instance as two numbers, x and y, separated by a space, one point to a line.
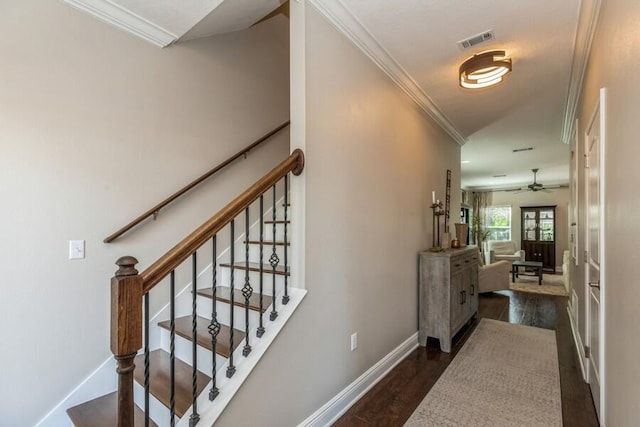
552 284
504 376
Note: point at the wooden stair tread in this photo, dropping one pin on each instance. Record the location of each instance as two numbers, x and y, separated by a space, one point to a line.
102 412
279 221
254 266
183 329
267 243
160 380
223 294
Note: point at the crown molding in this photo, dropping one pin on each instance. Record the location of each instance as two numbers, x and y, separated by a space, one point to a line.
585 31
342 18
124 19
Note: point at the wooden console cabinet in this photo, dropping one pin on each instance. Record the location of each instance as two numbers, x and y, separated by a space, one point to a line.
448 293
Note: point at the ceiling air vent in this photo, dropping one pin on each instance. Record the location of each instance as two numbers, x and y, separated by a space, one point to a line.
518 150
475 40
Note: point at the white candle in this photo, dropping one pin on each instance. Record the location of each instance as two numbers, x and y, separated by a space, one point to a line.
433 197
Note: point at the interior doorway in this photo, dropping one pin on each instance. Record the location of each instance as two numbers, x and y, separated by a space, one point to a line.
595 285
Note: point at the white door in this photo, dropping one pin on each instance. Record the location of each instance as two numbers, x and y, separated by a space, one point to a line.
594 265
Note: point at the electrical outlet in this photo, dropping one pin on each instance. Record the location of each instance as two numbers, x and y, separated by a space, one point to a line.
76 249
354 341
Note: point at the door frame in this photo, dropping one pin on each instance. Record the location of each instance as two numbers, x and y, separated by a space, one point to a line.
600 107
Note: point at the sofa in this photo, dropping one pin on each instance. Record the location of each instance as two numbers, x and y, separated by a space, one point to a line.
502 250
494 277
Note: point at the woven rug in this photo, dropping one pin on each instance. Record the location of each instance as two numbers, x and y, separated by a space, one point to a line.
504 376
552 284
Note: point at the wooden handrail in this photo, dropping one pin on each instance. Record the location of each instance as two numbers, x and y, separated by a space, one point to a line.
154 210
169 261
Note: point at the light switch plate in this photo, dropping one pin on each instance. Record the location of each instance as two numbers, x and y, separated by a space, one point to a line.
76 249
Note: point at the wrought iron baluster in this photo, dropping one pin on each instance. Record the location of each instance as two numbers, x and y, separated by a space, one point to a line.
214 326
231 369
247 290
273 259
260 330
172 350
285 298
146 359
194 418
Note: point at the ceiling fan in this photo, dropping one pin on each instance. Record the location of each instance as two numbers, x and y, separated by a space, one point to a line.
535 186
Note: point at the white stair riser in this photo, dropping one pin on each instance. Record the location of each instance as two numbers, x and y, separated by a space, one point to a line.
268 232
267 250
223 313
159 413
183 349
224 279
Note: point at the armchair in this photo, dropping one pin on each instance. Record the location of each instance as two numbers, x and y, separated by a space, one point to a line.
498 250
494 277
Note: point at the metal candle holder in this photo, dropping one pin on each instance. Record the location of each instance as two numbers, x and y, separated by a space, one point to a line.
437 212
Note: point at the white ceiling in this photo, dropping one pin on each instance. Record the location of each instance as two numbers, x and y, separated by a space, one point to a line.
527 110
164 22
415 42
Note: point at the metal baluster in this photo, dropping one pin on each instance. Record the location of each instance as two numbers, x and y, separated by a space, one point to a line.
194 418
273 259
285 298
260 330
247 290
146 360
231 369
172 351
214 327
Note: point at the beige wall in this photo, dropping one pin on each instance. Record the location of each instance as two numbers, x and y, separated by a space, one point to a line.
95 127
373 158
614 61
559 197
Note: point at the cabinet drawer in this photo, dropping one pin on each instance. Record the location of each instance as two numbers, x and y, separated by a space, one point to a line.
457 264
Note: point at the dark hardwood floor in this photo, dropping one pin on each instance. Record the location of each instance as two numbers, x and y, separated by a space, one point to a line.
394 398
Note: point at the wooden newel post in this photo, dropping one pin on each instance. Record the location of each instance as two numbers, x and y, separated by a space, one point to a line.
126 332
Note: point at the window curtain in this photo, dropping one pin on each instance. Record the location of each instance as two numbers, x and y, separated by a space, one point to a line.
480 201
465 197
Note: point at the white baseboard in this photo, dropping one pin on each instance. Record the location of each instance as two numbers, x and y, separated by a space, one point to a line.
100 382
336 407
578 343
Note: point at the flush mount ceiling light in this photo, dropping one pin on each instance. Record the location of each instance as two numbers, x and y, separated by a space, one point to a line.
484 69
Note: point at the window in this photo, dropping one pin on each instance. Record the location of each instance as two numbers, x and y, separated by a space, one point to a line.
497 222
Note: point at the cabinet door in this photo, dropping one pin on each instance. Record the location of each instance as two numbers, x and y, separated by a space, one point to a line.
529 225
546 225
530 250
458 306
472 290
548 256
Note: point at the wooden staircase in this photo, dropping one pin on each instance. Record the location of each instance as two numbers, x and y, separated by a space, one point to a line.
207 337
102 411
